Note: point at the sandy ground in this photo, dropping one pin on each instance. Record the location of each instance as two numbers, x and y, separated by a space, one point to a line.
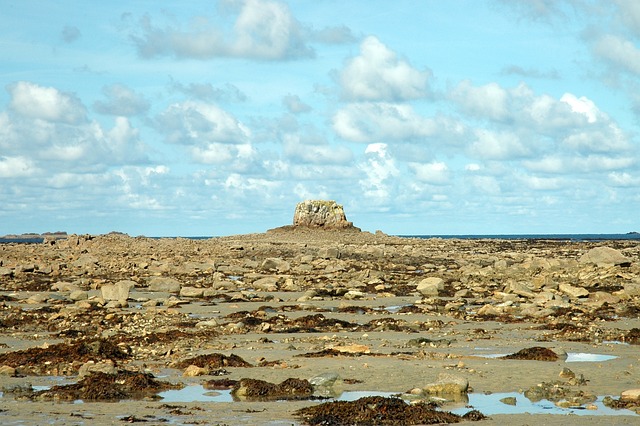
459 346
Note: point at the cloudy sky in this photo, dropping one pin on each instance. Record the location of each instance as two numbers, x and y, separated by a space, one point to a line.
209 117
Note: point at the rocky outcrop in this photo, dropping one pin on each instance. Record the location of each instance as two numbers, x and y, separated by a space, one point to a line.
321 214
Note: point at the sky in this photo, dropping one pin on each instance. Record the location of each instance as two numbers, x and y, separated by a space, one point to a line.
211 118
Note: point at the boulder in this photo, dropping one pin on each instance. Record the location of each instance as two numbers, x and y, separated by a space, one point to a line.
448 384
605 256
117 291
573 292
165 284
430 286
320 214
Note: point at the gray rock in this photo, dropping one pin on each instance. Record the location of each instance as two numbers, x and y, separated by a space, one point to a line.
430 286
77 295
191 292
329 253
165 284
448 384
320 214
605 256
117 291
89 367
573 292
5 272
266 284
276 264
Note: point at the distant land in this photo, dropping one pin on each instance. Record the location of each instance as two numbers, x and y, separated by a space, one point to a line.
48 235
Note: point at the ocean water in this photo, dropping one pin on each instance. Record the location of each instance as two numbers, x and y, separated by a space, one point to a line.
633 236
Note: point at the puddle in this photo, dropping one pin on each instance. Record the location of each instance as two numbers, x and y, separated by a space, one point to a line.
571 357
490 405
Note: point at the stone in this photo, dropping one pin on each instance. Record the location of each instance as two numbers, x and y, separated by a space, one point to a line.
7 370
448 384
117 291
605 256
573 292
191 292
320 214
194 371
89 367
77 295
276 264
630 395
165 284
5 272
266 284
430 286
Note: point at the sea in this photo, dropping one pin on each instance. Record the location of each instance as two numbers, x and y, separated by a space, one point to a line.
555 237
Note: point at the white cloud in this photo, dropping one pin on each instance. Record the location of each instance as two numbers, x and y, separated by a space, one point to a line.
16 167
436 173
624 179
121 101
380 170
199 123
619 52
45 103
263 29
490 100
490 145
377 74
315 153
371 122
630 14
579 164
294 105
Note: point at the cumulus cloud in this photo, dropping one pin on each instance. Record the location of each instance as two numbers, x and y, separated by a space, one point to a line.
294 105
195 122
377 74
436 173
208 92
618 52
375 121
315 152
263 29
16 167
121 101
46 103
380 170
490 145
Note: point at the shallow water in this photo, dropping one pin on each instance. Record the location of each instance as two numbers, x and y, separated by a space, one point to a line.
490 405
571 357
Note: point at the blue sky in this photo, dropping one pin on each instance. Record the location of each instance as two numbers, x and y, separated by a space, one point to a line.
215 118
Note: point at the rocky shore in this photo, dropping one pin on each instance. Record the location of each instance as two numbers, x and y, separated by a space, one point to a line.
301 314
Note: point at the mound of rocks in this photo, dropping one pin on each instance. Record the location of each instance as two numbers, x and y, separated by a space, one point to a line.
321 214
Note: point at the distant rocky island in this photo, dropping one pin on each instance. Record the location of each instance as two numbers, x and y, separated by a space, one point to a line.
58 235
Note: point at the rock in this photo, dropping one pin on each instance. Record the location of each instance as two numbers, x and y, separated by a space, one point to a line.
165 284
520 288
7 370
276 264
320 214
77 295
117 291
448 384
5 272
630 395
194 371
266 284
605 256
89 367
325 380
329 253
510 400
573 292
430 286
353 349
354 294
191 292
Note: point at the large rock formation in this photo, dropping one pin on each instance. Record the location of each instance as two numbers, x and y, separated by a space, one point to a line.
321 214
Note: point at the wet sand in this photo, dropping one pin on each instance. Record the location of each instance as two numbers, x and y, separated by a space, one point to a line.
275 298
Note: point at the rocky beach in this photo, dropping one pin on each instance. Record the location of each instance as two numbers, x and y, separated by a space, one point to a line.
319 325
